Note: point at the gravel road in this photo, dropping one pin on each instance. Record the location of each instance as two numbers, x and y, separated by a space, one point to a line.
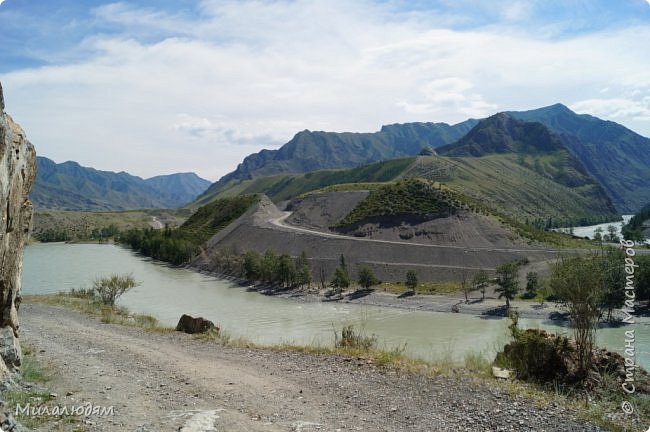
171 382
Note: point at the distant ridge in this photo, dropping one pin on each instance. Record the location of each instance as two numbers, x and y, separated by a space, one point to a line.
70 186
616 157
311 151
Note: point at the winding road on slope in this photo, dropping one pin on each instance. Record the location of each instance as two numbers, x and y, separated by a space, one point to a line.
280 222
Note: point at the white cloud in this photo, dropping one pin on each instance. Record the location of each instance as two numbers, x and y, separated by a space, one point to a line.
248 75
615 108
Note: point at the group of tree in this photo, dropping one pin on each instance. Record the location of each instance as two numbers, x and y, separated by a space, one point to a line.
587 286
169 245
269 268
76 234
342 280
479 282
633 230
611 236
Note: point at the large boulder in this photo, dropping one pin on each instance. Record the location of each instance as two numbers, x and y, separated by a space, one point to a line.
191 325
17 174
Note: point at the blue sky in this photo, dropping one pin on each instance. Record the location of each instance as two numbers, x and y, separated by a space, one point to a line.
153 87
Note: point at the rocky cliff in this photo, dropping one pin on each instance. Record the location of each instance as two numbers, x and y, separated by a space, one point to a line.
17 173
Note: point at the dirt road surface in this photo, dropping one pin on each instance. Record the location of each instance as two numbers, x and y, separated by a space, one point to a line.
171 381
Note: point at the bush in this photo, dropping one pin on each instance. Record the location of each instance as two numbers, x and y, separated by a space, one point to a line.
350 338
367 277
109 289
536 356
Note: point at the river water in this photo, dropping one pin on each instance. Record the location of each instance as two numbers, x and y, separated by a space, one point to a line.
167 293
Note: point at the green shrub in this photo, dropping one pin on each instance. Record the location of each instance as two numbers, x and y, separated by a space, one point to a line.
109 289
536 356
351 338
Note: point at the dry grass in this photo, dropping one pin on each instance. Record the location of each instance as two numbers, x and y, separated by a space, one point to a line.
431 288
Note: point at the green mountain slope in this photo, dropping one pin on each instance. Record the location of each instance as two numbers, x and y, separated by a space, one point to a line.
618 158
310 151
286 186
69 186
521 169
503 165
178 245
408 197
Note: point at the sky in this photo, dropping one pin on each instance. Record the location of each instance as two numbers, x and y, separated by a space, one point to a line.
160 86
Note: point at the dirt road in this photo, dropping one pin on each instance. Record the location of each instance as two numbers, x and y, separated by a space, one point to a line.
171 381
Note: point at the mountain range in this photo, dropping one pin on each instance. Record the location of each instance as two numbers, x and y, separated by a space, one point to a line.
503 165
70 186
310 151
617 158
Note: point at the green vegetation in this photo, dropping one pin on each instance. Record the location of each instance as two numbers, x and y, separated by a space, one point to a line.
411 280
534 355
532 284
177 246
426 288
109 289
633 230
271 269
581 284
351 338
480 282
285 186
85 301
552 364
77 226
31 390
367 278
507 282
341 278
503 184
615 156
314 151
415 197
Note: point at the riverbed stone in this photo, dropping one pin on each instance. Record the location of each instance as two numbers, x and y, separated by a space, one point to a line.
17 174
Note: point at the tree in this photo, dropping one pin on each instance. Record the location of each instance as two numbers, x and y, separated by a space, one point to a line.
480 281
303 271
286 271
579 283
532 284
508 282
611 265
411 280
341 277
642 276
252 265
612 234
268 266
598 234
367 277
465 285
109 289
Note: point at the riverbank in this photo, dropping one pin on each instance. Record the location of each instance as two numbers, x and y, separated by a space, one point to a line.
170 381
490 306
